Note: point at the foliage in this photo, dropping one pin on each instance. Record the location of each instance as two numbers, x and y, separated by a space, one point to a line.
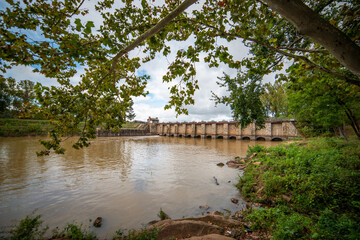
144 234
244 99
76 232
5 98
110 82
29 228
312 188
18 99
255 149
274 99
129 112
322 104
162 215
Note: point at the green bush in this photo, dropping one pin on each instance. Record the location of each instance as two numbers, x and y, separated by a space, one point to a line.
75 232
302 181
29 228
255 149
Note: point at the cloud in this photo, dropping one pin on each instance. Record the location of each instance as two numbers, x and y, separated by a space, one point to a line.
26 73
204 108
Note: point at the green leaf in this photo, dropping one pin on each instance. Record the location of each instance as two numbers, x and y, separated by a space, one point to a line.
78 24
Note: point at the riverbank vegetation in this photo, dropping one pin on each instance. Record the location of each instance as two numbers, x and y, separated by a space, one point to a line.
21 127
13 127
32 228
308 190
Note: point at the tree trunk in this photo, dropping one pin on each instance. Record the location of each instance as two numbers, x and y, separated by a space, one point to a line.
310 24
342 131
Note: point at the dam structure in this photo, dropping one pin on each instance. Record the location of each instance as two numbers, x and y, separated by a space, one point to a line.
274 130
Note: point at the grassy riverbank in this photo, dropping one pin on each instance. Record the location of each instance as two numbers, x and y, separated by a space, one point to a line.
12 127
23 127
310 190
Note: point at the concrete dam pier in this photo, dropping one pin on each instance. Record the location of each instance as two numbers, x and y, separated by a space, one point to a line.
276 130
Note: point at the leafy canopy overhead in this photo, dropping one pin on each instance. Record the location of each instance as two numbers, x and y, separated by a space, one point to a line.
110 80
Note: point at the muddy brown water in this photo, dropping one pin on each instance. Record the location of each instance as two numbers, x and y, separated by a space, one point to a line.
125 180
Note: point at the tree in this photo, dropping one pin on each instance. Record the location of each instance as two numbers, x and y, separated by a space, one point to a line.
5 97
242 90
274 99
110 79
321 104
18 98
130 114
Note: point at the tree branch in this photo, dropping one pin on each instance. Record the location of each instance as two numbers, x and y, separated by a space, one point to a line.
303 50
278 50
310 24
149 33
152 31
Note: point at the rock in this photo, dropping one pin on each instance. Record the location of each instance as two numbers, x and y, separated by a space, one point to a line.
253 155
215 213
220 164
179 229
234 200
210 237
98 222
235 164
152 222
204 207
226 210
238 214
286 197
216 181
218 220
236 233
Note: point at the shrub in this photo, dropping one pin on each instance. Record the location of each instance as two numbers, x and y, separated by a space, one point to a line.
29 228
255 149
303 181
75 232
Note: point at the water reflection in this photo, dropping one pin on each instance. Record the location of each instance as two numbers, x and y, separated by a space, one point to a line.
124 180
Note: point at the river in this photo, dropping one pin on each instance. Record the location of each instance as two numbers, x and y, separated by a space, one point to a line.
125 180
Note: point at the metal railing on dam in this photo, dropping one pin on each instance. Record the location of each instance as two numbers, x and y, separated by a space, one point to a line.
273 130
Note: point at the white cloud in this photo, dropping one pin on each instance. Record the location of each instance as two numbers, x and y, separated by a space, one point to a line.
26 73
204 108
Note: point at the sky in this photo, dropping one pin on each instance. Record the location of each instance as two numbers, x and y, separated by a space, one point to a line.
153 104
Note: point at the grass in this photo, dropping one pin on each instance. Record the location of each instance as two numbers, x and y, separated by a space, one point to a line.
311 190
22 127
